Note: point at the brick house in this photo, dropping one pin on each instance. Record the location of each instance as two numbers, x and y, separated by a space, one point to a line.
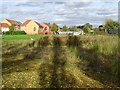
4 27
30 27
12 22
45 29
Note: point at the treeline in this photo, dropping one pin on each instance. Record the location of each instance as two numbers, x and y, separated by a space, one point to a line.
110 25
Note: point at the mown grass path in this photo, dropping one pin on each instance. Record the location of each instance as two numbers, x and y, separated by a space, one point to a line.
44 66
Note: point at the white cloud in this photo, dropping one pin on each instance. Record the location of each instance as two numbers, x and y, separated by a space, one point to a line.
65 13
65 0
59 19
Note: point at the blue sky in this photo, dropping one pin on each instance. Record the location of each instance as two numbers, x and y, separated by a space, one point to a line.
62 12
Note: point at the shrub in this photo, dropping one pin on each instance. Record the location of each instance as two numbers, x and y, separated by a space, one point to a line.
19 32
7 33
15 33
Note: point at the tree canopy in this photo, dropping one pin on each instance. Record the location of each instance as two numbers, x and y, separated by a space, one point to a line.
111 24
11 29
65 28
54 27
73 28
87 27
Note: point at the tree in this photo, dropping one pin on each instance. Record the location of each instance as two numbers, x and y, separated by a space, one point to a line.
101 28
80 27
11 29
54 28
65 28
73 28
87 27
111 25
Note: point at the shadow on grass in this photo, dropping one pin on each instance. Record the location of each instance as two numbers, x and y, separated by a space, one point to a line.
23 64
94 68
54 75
59 61
15 66
13 50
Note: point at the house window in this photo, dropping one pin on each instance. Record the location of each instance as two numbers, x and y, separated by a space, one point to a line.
34 28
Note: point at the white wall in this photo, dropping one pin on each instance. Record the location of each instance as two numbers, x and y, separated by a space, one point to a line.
4 29
71 32
62 32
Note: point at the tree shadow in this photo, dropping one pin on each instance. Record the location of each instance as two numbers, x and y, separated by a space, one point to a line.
94 67
59 61
54 75
23 64
15 66
59 78
10 62
18 49
13 50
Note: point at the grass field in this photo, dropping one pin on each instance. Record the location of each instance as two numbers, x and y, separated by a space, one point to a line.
60 62
22 37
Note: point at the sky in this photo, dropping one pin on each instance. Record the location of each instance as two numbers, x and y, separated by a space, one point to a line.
69 12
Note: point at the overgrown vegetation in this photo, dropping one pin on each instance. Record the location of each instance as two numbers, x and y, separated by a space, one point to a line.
111 25
65 28
61 62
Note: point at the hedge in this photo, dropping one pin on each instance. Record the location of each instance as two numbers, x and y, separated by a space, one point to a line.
16 33
7 33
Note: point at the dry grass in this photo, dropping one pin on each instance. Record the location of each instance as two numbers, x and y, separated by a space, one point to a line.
61 62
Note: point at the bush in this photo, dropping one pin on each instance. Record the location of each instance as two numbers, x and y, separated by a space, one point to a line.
15 33
19 32
7 33
97 32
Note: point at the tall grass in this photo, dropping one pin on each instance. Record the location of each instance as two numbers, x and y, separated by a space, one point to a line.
97 54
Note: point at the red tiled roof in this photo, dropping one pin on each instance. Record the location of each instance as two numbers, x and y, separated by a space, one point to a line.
5 25
12 22
26 22
43 24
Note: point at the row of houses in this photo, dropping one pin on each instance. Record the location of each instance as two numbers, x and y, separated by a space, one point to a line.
29 26
6 23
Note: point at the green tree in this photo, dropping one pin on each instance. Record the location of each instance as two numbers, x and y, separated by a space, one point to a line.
101 28
54 28
111 25
65 28
73 28
89 25
87 28
11 29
